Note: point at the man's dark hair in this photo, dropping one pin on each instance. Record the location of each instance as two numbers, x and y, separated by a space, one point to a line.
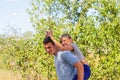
65 35
47 40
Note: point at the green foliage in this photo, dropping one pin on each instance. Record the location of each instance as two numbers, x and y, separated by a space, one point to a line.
96 35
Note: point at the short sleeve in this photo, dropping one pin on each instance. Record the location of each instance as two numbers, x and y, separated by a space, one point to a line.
69 57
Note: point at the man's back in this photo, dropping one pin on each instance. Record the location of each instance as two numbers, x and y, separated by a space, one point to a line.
64 61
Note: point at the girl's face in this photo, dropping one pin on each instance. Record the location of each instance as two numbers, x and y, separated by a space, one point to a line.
66 41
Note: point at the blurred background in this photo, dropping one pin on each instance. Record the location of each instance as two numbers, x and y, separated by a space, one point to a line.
94 26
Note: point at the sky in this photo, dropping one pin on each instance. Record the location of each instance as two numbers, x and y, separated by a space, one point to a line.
13 16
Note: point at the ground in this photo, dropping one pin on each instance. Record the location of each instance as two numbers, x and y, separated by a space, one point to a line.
8 75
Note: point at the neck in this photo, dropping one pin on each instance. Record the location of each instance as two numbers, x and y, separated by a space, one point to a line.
56 51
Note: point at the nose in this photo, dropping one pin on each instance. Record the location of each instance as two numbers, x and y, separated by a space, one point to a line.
63 43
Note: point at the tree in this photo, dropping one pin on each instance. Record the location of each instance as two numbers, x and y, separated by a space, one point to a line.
95 34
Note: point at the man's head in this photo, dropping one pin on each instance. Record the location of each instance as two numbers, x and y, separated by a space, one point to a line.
49 45
66 39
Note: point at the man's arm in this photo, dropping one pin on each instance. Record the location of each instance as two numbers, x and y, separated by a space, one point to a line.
74 61
80 70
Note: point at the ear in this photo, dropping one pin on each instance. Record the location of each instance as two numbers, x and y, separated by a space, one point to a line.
71 40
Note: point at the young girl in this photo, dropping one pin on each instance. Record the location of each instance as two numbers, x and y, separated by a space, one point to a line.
66 43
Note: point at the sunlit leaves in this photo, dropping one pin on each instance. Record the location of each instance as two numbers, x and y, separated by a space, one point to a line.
100 44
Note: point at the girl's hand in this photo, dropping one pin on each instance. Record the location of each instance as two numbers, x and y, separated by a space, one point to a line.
47 34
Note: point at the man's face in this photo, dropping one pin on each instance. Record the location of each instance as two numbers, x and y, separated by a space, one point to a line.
50 48
66 41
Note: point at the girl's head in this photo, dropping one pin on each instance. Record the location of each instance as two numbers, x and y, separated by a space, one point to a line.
65 39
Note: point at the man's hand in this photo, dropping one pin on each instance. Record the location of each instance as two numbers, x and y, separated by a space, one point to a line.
80 70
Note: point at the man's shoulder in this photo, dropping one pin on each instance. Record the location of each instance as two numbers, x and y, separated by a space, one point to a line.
69 57
62 53
66 54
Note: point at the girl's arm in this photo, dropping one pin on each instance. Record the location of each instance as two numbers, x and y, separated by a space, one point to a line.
60 46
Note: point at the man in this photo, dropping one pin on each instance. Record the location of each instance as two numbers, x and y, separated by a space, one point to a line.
67 64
